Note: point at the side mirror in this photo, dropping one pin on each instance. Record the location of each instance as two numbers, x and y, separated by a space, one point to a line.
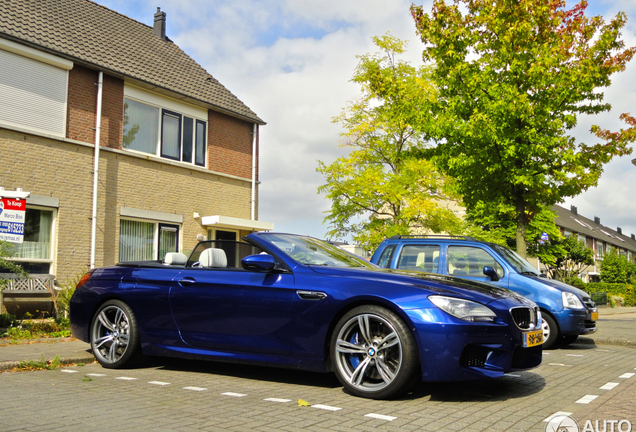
489 271
258 262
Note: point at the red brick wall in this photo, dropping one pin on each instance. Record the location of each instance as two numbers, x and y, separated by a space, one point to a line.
82 106
229 145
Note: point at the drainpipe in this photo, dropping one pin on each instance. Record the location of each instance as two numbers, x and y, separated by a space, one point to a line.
254 134
98 132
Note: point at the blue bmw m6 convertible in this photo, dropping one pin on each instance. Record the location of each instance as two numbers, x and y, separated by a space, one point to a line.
298 302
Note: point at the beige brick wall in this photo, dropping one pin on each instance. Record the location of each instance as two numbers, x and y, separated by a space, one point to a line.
64 170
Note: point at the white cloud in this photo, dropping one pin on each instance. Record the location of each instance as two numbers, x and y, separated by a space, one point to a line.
291 62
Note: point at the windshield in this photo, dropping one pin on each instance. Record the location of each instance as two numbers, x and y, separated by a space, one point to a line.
518 263
311 251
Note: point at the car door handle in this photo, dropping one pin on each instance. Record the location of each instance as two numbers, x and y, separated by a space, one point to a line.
187 281
311 295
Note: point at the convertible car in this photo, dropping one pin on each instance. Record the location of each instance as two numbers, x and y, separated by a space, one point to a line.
298 302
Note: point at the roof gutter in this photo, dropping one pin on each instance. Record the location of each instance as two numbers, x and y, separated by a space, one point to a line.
98 132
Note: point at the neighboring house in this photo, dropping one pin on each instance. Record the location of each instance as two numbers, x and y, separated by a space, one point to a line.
597 237
178 153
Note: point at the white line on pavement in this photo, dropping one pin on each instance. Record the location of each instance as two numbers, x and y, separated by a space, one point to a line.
512 375
161 383
195 388
559 364
125 378
557 414
96 374
586 399
233 394
326 407
608 386
627 375
69 371
381 417
574 355
277 400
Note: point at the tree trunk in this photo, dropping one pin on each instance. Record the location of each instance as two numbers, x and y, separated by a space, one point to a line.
521 228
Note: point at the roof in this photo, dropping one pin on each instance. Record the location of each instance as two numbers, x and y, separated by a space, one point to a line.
84 31
579 224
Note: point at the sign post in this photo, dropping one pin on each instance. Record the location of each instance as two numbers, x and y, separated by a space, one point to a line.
12 215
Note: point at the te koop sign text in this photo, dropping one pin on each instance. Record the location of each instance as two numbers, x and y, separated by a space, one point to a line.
12 214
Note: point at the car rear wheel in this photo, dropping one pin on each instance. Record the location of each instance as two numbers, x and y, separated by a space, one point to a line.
373 353
550 331
115 335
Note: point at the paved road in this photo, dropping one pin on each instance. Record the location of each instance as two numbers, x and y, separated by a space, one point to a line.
186 395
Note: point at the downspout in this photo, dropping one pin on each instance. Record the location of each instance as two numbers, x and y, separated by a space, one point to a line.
254 134
98 132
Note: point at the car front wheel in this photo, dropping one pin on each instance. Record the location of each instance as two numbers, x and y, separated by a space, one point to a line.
373 353
550 331
115 336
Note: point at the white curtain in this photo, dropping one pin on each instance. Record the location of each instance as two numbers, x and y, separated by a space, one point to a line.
141 126
136 241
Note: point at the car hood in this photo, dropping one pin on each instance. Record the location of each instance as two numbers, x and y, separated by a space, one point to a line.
558 285
431 282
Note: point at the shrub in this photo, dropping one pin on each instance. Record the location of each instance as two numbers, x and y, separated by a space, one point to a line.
64 296
7 320
614 289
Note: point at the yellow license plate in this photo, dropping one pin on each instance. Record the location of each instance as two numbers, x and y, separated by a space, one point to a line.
533 338
594 316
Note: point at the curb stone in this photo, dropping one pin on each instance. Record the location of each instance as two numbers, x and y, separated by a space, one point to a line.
87 358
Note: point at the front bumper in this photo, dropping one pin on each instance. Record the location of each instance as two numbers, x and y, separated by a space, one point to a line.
453 350
577 321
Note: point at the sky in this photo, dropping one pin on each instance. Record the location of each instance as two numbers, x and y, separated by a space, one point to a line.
291 62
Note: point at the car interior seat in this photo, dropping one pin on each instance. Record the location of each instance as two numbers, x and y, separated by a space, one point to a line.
175 258
213 258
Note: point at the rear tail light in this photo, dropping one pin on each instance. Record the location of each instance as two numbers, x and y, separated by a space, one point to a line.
84 279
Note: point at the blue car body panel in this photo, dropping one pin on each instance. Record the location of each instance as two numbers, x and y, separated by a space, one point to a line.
286 316
546 293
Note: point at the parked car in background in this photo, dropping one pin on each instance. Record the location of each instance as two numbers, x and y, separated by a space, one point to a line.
567 312
298 302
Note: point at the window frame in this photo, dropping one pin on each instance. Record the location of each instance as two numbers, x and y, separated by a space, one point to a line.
157 225
53 241
160 152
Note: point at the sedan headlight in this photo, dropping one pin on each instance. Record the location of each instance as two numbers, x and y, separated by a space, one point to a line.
571 301
463 309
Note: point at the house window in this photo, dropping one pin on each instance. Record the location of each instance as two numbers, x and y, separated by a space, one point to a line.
34 253
146 241
167 133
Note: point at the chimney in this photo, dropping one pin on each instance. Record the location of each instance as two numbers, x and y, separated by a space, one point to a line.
619 230
597 220
633 237
573 209
160 24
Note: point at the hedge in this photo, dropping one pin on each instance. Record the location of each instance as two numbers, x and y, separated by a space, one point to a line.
614 289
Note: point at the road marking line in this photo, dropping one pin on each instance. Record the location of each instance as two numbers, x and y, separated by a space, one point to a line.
96 374
125 378
512 375
557 414
161 383
586 399
627 375
69 371
381 417
233 394
326 407
277 400
608 386
195 388
559 364
574 355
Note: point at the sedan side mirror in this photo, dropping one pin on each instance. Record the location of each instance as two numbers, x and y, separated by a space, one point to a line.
263 262
489 271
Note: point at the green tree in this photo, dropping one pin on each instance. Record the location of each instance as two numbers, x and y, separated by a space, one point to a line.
513 76
6 265
379 189
615 268
575 258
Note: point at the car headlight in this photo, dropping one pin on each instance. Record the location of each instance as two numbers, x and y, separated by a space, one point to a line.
571 301
463 309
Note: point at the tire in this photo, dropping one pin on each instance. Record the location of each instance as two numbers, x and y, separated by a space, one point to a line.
567 340
374 354
115 336
550 331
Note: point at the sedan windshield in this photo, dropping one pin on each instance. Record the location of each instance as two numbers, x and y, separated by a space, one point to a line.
311 251
519 264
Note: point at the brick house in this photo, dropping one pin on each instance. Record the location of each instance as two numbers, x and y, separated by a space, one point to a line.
178 153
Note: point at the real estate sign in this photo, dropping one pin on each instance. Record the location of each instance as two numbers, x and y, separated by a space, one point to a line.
12 212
